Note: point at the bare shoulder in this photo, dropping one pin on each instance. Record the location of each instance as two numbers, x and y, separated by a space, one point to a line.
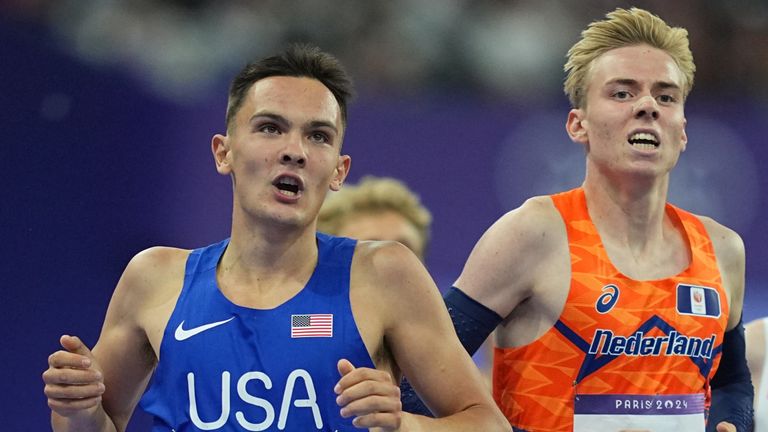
387 279
530 219
406 328
128 346
528 231
503 266
158 260
389 288
148 286
728 244
729 250
152 274
379 264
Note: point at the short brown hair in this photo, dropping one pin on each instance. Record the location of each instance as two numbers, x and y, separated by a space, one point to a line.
298 60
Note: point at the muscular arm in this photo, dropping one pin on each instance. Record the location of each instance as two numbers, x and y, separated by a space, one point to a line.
123 355
416 329
492 275
729 249
520 270
732 392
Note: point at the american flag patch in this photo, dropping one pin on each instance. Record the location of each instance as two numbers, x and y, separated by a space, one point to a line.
312 325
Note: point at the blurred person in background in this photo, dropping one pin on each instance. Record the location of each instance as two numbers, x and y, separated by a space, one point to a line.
384 208
278 326
614 307
377 208
757 344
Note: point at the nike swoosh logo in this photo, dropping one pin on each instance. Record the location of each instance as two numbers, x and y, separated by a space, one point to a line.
183 334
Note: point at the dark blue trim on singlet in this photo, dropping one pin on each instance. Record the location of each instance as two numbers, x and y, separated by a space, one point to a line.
572 336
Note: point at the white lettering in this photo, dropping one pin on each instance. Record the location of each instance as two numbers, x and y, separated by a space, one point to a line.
224 403
311 402
269 410
259 402
606 342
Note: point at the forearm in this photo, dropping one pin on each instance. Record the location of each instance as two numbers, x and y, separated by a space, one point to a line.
473 323
478 417
95 421
732 391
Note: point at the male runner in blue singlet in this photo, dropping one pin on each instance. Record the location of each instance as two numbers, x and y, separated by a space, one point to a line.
277 327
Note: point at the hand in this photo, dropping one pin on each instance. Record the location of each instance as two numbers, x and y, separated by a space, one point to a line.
368 395
725 427
74 382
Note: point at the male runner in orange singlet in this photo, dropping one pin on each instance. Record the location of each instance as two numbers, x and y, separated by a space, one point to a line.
614 308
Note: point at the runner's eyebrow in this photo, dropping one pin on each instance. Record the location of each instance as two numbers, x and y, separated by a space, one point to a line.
323 124
277 118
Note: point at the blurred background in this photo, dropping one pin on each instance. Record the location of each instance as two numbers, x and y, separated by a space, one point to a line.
107 109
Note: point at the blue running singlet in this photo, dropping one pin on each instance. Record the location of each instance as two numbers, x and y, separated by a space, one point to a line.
225 367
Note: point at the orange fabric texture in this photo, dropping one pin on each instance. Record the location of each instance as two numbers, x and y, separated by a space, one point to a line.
647 340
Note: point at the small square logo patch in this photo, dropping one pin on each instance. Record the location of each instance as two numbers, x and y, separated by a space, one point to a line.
698 300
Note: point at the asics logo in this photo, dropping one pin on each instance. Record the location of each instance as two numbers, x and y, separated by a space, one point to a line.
183 334
608 299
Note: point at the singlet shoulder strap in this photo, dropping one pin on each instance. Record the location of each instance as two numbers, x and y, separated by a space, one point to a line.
335 251
571 204
695 230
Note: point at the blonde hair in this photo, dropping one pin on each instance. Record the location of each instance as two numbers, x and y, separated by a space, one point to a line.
371 195
624 28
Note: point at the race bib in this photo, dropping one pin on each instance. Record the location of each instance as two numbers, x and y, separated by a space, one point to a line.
638 413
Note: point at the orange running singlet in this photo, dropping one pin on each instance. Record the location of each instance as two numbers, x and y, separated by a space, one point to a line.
642 352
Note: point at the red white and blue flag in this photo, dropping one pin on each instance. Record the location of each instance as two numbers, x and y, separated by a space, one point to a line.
312 325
